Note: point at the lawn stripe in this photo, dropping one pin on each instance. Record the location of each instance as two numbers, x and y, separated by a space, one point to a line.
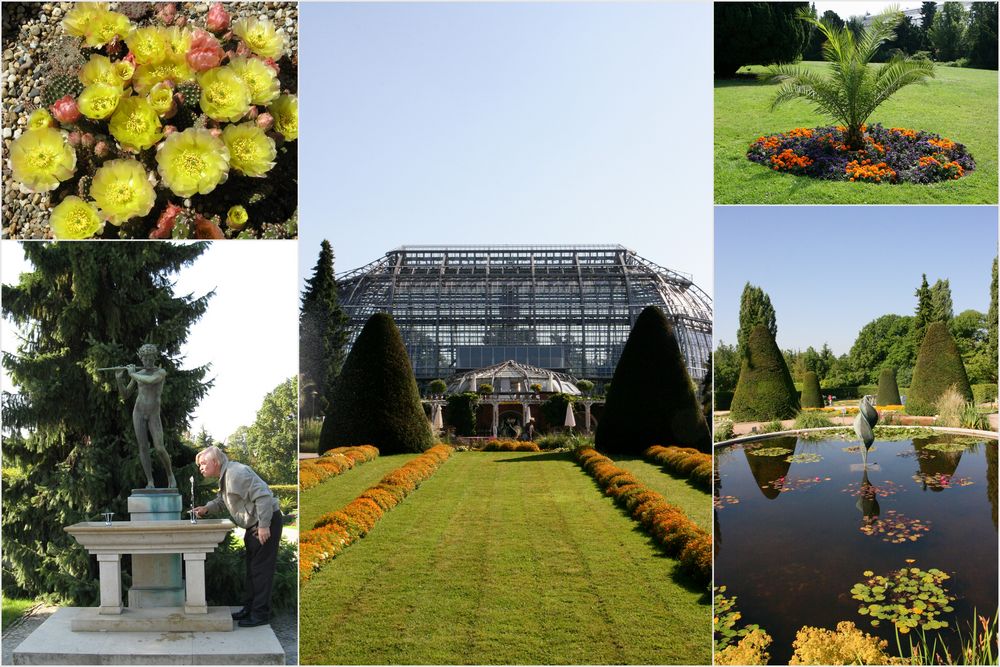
335 492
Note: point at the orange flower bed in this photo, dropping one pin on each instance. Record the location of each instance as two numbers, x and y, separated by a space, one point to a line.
942 143
510 446
769 143
800 132
867 171
332 463
949 169
335 531
789 160
685 461
667 523
904 132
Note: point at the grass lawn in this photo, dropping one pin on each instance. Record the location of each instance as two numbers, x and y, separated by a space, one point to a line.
335 492
676 490
960 104
13 608
504 558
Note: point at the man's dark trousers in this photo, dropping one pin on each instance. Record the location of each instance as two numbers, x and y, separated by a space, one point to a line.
261 560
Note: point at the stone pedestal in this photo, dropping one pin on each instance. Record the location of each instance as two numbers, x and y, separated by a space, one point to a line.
157 580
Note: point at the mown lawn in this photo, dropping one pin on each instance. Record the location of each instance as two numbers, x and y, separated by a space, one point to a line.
335 492
960 104
13 608
695 502
504 557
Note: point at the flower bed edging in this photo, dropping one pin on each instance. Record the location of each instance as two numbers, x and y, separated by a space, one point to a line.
335 531
666 523
510 446
333 463
684 461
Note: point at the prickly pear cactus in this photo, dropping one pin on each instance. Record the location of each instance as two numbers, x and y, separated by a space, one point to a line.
59 86
190 91
183 226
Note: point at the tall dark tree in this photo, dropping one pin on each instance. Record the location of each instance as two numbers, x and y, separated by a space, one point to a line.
757 33
949 31
814 48
755 308
322 335
924 313
885 341
941 304
991 323
983 35
927 12
272 439
69 447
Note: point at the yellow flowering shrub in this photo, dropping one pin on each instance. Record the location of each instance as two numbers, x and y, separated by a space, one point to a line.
285 111
750 650
846 646
42 158
78 20
251 151
174 68
193 162
224 95
121 190
75 218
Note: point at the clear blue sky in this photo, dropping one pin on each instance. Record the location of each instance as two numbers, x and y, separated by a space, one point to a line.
829 270
507 123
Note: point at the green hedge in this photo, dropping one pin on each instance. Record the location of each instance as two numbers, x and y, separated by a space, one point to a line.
764 390
939 366
287 495
723 400
888 390
811 396
984 393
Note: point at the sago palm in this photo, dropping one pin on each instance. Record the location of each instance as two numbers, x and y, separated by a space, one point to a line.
853 88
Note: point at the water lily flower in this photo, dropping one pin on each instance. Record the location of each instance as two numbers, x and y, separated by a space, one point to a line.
218 19
65 110
40 118
99 100
75 218
100 69
224 96
161 98
149 45
261 79
135 124
40 159
261 37
121 190
106 26
193 162
236 217
205 52
285 111
251 151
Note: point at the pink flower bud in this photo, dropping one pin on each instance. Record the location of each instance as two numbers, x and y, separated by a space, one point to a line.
273 65
167 12
228 36
205 52
75 138
265 121
218 19
65 110
252 114
102 149
87 140
130 57
216 132
243 50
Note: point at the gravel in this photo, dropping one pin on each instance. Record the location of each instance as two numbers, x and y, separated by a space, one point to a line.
34 47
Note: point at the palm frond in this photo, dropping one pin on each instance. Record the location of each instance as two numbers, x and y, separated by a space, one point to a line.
881 30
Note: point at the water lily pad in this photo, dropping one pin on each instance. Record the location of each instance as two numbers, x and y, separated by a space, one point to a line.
908 598
941 480
896 528
770 451
721 501
950 447
804 458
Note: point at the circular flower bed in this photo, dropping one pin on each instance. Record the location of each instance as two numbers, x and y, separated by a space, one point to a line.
890 155
150 120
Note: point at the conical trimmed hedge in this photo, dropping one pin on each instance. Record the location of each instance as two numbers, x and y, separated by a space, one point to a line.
376 401
654 401
765 390
888 390
811 397
939 366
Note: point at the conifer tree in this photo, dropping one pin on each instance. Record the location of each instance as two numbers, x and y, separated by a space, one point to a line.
924 314
755 308
69 447
764 390
939 366
322 334
991 323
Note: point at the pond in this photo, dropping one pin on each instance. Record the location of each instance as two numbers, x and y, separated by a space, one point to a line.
799 523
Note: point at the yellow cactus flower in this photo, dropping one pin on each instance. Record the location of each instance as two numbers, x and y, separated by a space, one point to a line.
251 151
100 69
79 19
149 45
125 71
121 189
40 118
40 159
224 96
261 37
105 26
75 218
193 162
236 217
259 77
135 124
161 97
285 111
174 68
99 100
178 40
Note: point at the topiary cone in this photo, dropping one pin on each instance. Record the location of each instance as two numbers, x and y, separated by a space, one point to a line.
811 397
939 366
888 390
375 399
654 401
765 390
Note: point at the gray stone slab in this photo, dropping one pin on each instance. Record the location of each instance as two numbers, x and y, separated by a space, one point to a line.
54 643
161 619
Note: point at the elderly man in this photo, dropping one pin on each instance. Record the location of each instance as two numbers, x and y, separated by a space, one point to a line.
253 507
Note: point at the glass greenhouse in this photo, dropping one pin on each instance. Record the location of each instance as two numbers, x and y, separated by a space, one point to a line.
567 309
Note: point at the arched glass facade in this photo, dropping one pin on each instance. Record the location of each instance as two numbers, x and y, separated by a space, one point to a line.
564 308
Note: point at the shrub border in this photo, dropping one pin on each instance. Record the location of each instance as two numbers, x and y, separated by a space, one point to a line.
335 531
684 462
333 463
666 523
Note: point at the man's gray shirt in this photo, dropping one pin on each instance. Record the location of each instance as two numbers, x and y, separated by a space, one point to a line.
245 495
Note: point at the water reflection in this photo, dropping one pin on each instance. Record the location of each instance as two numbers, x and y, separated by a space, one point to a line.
868 499
936 466
770 471
991 481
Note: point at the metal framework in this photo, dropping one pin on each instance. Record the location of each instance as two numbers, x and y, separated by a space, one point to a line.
564 308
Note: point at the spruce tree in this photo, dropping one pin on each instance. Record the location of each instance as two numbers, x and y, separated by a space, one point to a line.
991 323
654 401
375 398
888 389
765 390
811 396
755 308
323 334
924 313
939 366
69 447
941 304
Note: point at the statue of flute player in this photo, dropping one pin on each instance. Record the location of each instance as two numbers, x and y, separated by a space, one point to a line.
148 382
